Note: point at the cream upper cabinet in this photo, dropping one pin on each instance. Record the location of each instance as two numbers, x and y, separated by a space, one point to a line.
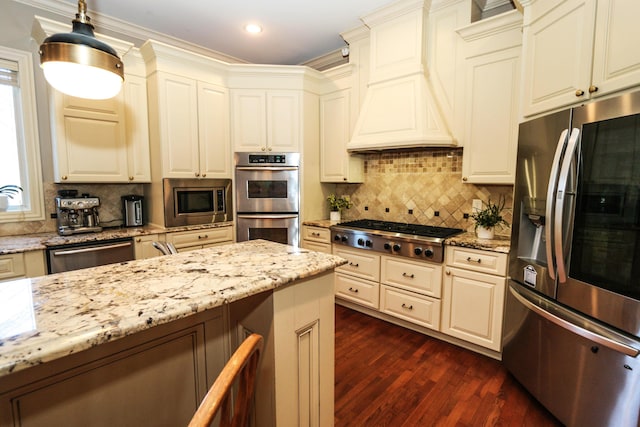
103 140
192 122
266 120
492 51
338 110
575 50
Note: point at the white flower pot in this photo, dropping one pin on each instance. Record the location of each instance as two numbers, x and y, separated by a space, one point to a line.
485 233
335 216
4 202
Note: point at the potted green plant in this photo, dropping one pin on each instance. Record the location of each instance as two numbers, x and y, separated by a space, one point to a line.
488 218
336 205
7 192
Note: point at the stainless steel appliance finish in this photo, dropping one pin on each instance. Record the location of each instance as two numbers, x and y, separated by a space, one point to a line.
132 211
281 228
196 201
91 254
575 256
268 197
408 240
267 183
75 215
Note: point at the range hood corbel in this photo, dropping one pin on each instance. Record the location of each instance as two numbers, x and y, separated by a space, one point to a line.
399 109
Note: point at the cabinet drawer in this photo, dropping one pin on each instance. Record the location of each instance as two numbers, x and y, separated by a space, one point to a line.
418 309
425 278
476 260
360 291
361 263
315 246
316 234
11 265
201 237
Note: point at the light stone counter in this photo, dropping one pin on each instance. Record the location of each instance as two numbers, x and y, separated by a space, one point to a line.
34 242
46 318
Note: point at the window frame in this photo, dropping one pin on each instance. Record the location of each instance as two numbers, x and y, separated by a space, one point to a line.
30 140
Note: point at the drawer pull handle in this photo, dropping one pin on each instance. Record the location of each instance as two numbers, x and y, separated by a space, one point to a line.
474 260
355 291
408 307
206 236
410 276
315 234
354 265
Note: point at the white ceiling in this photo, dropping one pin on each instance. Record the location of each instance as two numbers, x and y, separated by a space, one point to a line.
295 31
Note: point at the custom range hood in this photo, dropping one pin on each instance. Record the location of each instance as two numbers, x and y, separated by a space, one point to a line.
399 109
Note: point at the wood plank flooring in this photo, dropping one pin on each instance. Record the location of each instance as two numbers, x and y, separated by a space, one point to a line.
390 376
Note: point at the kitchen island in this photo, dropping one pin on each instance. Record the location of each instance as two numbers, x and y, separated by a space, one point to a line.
140 342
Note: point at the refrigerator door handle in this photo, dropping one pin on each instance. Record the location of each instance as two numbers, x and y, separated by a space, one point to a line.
597 338
551 192
572 145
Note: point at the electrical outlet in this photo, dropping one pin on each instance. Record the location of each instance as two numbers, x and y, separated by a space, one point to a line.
476 205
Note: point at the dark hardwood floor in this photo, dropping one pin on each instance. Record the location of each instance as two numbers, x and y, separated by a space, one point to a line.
390 376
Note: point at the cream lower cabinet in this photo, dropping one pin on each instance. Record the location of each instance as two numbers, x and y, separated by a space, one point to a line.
473 296
358 281
23 264
316 239
143 246
411 290
199 239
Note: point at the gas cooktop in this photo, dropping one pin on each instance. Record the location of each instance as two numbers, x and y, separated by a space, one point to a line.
395 238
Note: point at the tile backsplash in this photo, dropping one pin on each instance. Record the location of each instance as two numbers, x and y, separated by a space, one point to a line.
110 206
421 186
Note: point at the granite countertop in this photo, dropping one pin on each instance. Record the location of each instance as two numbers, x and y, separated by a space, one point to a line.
45 318
34 242
469 240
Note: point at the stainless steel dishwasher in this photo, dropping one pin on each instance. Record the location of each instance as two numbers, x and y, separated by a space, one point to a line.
90 254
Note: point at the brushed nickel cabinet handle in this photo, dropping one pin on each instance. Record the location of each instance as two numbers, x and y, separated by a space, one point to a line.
355 291
579 92
593 89
410 276
408 307
474 260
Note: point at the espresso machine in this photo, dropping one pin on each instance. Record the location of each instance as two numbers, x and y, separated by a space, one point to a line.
77 214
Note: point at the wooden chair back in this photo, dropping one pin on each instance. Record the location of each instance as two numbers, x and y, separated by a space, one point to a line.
242 367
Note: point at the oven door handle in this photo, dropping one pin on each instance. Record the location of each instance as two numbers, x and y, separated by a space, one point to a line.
91 249
268 216
266 168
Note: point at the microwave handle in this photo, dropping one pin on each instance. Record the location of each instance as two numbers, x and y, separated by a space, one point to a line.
266 168
268 216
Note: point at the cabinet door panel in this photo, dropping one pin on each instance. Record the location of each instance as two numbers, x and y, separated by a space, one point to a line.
363 292
179 117
334 135
213 120
283 121
249 126
137 129
421 277
414 308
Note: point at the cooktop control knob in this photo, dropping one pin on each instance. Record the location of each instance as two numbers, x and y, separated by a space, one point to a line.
428 253
369 243
417 251
387 246
344 238
336 238
396 247
361 242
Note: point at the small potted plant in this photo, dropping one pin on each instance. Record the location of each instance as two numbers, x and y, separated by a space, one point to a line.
488 218
7 192
336 205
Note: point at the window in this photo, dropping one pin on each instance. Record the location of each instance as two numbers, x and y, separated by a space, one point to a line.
19 142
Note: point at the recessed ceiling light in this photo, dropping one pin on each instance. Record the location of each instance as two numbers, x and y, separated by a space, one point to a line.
253 28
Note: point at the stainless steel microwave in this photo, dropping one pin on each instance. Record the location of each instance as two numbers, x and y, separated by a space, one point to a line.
196 201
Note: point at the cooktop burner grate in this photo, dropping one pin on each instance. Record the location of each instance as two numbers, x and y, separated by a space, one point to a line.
404 228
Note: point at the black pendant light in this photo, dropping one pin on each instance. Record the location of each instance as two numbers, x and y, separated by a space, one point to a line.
80 65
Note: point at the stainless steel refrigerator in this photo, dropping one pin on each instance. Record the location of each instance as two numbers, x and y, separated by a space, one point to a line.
572 320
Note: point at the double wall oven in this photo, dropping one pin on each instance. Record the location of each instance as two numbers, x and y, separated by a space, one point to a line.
268 197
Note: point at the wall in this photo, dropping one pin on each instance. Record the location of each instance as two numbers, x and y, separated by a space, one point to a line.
426 181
